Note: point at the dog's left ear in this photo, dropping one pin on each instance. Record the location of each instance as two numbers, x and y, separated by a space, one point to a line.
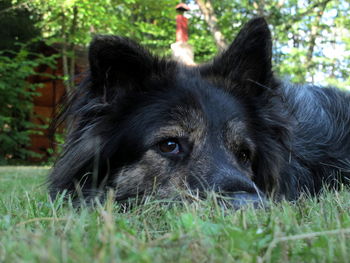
247 61
119 64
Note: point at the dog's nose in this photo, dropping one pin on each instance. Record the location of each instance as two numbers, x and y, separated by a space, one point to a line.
240 190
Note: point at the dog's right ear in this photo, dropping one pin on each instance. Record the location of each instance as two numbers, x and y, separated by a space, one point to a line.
247 61
117 60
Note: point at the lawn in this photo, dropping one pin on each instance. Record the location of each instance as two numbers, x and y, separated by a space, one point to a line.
33 229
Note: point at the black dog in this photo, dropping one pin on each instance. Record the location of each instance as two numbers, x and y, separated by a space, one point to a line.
140 125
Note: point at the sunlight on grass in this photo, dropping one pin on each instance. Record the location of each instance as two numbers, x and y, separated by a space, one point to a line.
34 229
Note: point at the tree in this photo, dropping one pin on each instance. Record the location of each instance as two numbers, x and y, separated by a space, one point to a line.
303 34
16 102
211 19
72 24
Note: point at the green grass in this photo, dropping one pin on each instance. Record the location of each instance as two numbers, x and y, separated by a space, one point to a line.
32 229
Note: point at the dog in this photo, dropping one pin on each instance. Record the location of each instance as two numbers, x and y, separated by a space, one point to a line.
142 125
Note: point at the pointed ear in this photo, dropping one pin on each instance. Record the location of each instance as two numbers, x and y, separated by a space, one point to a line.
247 61
116 60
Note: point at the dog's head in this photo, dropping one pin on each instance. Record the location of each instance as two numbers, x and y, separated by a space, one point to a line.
141 124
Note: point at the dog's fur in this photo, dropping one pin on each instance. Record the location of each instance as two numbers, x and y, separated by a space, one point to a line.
139 124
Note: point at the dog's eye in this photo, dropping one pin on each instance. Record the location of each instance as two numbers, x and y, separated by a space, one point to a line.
244 156
170 146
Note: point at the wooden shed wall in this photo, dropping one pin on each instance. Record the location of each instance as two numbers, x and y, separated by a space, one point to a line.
45 108
46 105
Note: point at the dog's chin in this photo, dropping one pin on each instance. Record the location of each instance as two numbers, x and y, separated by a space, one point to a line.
234 201
244 200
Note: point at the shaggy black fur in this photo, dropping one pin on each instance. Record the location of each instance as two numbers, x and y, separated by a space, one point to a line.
241 128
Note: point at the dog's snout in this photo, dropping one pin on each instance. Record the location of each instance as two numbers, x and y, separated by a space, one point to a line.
235 184
230 180
242 192
239 189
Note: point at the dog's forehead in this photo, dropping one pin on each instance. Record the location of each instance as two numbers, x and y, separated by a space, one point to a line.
188 106
210 100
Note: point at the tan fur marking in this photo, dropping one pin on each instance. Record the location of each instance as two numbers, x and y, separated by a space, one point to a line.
187 123
236 135
150 175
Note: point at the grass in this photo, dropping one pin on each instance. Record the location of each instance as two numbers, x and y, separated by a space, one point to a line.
33 229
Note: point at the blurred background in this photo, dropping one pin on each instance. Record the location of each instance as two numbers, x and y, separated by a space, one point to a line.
43 47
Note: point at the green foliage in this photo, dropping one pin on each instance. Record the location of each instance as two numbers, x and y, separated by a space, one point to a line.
311 39
150 22
311 42
35 229
304 33
72 23
16 102
200 38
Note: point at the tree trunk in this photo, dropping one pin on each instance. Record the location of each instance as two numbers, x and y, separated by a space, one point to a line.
315 31
64 51
207 10
260 7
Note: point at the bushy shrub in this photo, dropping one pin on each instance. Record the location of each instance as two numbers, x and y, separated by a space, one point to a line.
16 101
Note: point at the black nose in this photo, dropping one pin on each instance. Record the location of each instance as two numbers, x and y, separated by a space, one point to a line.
240 189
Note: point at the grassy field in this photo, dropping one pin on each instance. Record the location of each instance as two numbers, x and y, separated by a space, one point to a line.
33 229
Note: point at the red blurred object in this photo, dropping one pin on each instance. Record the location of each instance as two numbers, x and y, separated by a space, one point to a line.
181 23
182 7
181 28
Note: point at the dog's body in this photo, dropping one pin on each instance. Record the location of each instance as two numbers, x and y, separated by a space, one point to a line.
141 125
